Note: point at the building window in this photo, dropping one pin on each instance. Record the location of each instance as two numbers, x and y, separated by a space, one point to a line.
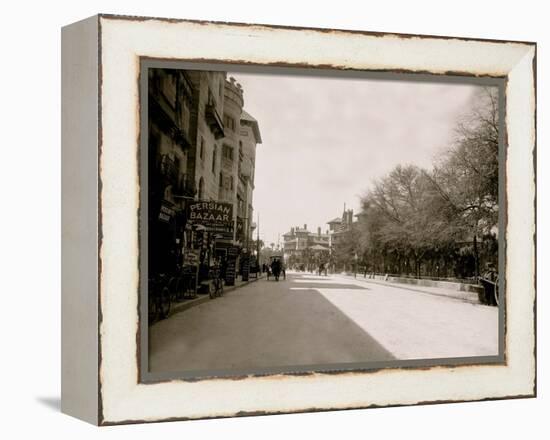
214 158
231 183
221 179
201 151
227 152
201 188
229 122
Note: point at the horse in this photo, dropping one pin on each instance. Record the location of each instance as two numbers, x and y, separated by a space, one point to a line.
276 269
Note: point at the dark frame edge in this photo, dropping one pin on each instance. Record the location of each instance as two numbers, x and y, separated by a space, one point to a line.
100 414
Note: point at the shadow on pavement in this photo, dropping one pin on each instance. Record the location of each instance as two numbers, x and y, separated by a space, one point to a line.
277 328
328 286
310 278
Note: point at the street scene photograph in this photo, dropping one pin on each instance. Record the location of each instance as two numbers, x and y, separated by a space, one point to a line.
296 221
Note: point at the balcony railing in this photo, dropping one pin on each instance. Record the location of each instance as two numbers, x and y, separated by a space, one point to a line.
166 117
185 187
181 137
168 174
214 121
167 170
241 191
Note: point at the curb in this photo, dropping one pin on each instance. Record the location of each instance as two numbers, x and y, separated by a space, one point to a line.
184 305
458 295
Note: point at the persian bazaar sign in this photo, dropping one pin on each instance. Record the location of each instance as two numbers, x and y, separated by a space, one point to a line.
214 216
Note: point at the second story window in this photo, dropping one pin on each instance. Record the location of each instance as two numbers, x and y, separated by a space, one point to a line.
214 157
229 122
201 188
201 150
227 152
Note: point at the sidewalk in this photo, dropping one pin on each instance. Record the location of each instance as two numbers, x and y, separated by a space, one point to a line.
204 297
471 297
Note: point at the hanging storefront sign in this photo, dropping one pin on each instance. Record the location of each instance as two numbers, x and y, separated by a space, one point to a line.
191 258
166 213
230 270
239 236
216 217
245 266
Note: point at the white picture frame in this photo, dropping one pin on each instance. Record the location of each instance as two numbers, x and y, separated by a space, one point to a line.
101 201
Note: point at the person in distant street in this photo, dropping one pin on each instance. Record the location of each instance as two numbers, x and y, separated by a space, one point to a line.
276 268
490 273
488 280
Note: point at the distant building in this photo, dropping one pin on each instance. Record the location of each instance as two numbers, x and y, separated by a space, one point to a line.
340 229
305 248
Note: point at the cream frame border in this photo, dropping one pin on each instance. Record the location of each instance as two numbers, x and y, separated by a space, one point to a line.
122 40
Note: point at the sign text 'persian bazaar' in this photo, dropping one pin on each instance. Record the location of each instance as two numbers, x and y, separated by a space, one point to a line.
214 216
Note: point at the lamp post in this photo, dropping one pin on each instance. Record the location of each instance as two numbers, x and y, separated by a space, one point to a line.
258 241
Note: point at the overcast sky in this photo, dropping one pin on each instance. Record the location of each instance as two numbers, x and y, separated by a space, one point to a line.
326 139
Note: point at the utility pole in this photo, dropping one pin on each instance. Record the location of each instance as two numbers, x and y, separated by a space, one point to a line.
258 240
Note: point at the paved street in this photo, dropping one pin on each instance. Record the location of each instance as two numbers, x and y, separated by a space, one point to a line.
309 319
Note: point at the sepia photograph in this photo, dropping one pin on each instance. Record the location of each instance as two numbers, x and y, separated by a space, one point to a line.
298 221
263 219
